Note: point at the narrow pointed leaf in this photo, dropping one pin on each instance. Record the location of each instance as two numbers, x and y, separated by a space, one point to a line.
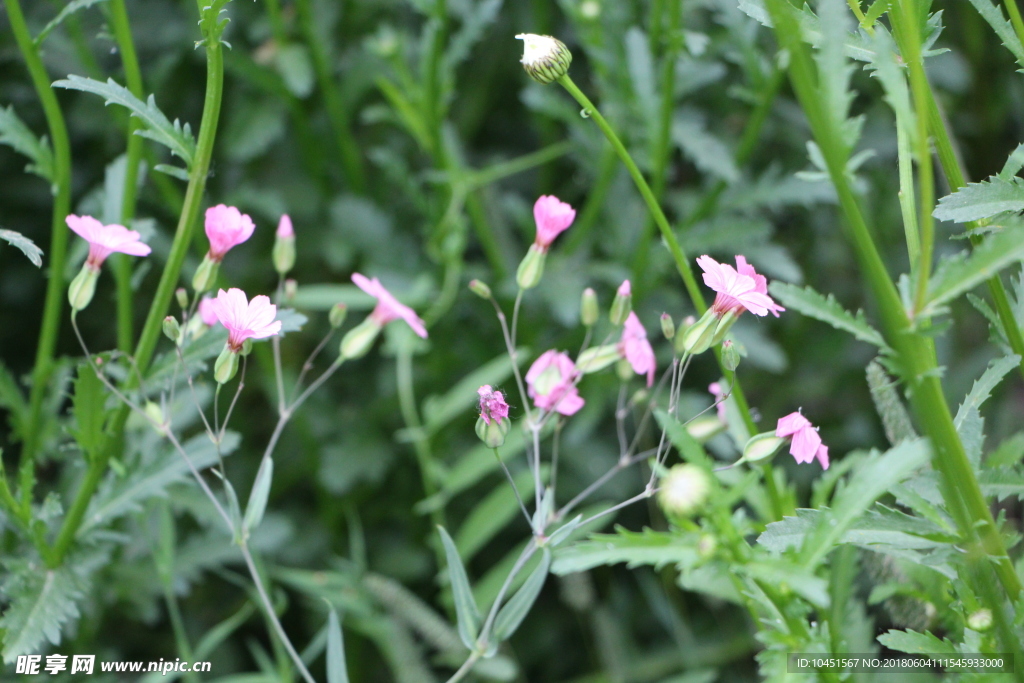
257 504
828 310
337 671
516 609
466 610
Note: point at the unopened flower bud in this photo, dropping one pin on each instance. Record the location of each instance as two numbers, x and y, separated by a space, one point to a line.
761 447
980 620
156 416
697 338
291 288
480 289
622 304
624 370
182 296
82 288
706 546
688 322
206 275
668 326
684 490
531 268
493 432
589 309
284 246
703 428
598 358
546 59
226 366
172 330
337 315
730 355
359 340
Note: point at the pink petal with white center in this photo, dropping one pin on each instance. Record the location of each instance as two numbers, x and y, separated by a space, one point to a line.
245 319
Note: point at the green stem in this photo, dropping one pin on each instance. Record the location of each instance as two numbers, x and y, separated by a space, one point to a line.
122 263
58 247
1018 24
151 331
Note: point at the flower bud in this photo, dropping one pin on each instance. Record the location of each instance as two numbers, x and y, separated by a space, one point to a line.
684 490
546 59
730 355
589 310
156 416
531 269
493 433
172 330
697 338
761 447
283 253
622 304
688 322
597 358
291 288
723 326
82 288
206 275
226 366
980 620
668 326
359 340
703 428
624 370
706 546
182 296
337 315
480 289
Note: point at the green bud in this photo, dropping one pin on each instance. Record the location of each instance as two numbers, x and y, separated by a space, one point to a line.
622 304
706 546
684 490
730 355
761 447
531 269
284 253
359 340
624 370
480 289
668 327
156 415
172 330
598 358
492 434
337 315
182 296
688 322
291 288
546 59
980 620
703 428
226 366
206 275
82 288
697 338
589 309
723 326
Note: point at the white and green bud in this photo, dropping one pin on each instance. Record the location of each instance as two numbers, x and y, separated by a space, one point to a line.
82 288
597 358
226 366
531 268
684 490
156 417
291 288
730 355
668 326
493 433
172 329
705 427
283 253
589 309
336 317
762 447
206 275
546 59
980 621
697 337
622 304
182 296
359 340
687 322
480 289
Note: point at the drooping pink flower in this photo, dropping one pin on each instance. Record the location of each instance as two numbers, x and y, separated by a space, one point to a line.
738 290
635 348
206 312
245 319
552 216
284 227
551 383
716 391
388 308
226 227
492 404
104 240
806 444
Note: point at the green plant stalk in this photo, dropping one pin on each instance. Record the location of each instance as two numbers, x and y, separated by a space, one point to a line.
351 160
1018 23
905 162
152 329
58 248
916 352
122 263
432 104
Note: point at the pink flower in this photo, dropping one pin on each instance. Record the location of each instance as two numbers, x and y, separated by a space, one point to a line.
739 289
552 216
245 319
492 404
284 227
226 227
551 383
104 240
207 313
388 308
806 444
716 390
625 289
635 348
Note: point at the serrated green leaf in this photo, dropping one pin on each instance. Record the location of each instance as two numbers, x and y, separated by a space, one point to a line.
466 610
827 309
1014 163
706 151
649 547
89 410
1008 454
337 671
15 134
515 610
994 16
894 415
968 421
25 245
916 643
1002 482
834 70
257 504
957 276
177 138
40 603
813 589
480 16
68 10
986 199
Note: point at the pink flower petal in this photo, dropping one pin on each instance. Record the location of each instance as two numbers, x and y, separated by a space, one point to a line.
552 217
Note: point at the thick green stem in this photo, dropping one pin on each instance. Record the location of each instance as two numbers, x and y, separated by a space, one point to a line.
151 331
916 352
58 247
122 263
1018 23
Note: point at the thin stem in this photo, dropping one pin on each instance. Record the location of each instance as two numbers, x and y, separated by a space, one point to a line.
234 401
512 482
524 557
513 356
466 667
1015 19
646 493
308 365
58 247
